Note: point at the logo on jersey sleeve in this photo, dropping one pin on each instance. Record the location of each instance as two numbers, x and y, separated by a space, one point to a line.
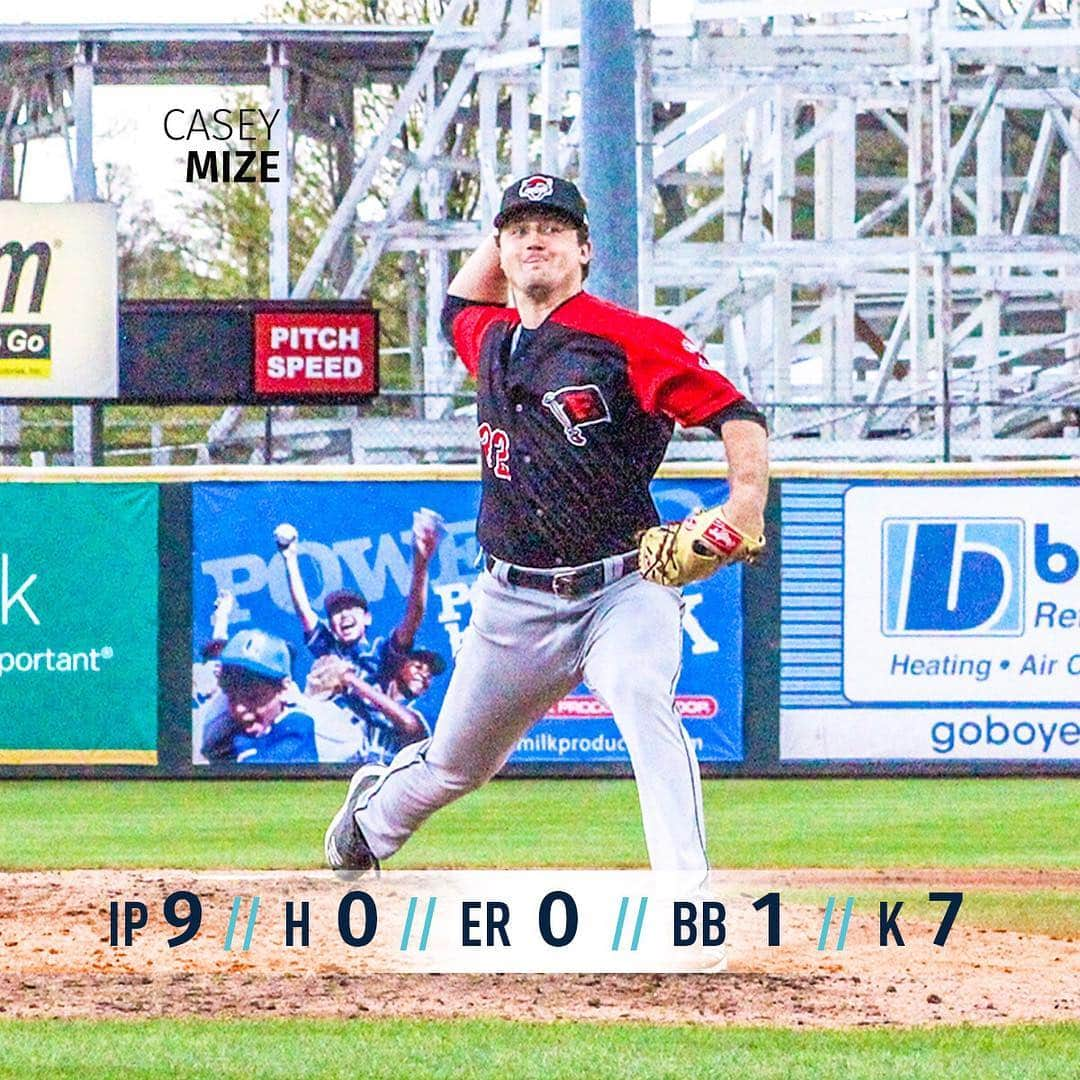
536 188
576 407
705 361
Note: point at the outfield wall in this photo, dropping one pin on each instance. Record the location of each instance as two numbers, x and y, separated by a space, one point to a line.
906 620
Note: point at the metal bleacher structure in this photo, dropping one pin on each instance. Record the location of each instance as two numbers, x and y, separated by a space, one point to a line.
868 210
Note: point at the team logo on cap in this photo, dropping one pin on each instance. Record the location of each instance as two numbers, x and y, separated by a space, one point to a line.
576 407
536 188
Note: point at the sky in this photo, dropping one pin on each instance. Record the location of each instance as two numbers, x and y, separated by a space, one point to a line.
137 11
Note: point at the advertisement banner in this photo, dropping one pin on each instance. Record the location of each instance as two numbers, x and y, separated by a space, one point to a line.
930 621
59 314
357 538
78 624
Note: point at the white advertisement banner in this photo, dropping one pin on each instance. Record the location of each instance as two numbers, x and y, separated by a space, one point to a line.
956 734
931 621
58 313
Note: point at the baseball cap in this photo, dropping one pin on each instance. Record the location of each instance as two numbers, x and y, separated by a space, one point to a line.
344 598
542 192
258 652
433 659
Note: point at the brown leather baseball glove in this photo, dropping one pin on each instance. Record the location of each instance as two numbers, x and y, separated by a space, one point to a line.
679 552
328 676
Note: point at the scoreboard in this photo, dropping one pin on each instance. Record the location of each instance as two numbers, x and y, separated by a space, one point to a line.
247 352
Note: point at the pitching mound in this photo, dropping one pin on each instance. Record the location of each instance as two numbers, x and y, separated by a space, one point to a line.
56 960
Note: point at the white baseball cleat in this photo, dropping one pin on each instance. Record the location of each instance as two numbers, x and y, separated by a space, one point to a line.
347 852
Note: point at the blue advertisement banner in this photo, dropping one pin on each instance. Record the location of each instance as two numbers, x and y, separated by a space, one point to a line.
350 539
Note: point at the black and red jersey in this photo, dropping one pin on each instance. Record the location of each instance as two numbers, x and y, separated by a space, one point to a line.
574 418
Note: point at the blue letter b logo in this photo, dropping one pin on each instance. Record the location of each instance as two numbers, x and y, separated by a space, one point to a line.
953 577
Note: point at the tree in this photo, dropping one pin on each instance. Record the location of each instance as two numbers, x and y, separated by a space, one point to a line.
152 260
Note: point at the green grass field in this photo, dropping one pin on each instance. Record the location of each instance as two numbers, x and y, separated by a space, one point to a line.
750 823
889 824
299 1049
774 824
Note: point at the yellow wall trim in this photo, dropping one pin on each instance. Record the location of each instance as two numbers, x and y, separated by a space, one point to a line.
186 474
78 757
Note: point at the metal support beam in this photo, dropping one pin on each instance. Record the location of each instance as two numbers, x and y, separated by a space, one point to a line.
434 135
940 224
645 300
374 155
83 180
488 145
343 168
920 115
436 353
551 88
989 193
1069 225
278 62
1034 178
608 145
12 104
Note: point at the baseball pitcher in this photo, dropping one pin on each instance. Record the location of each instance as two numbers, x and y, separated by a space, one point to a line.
576 402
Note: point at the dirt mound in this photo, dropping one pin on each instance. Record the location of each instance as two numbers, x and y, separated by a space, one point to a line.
56 960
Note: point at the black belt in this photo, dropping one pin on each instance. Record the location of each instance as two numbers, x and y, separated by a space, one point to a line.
570 583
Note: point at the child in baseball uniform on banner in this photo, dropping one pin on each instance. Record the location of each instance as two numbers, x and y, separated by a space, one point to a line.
256 723
391 719
576 403
393 729
343 633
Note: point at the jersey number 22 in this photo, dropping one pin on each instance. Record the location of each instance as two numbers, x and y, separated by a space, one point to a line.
495 449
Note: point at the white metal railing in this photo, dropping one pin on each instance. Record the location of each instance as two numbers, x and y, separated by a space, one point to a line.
860 208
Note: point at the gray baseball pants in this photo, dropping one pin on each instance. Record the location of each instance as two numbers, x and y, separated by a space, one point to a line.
524 650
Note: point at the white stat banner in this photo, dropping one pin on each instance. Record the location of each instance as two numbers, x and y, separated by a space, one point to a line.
58 312
931 621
